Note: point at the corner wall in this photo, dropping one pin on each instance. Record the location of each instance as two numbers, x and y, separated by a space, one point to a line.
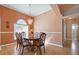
50 23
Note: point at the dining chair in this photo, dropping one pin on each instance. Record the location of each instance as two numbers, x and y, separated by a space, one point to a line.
21 43
40 43
23 35
17 40
42 40
36 35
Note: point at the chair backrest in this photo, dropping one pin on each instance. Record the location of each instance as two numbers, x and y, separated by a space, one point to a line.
43 37
19 38
23 35
36 35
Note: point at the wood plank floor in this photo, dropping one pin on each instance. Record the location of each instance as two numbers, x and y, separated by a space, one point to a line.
50 50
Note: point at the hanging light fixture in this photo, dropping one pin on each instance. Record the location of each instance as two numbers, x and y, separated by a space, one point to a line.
30 20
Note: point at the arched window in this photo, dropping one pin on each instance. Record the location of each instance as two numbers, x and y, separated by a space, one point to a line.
21 26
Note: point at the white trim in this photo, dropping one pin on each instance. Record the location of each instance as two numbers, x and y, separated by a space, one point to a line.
52 32
55 44
5 32
7 44
45 32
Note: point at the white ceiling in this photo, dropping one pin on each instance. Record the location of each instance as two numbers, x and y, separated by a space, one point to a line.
33 10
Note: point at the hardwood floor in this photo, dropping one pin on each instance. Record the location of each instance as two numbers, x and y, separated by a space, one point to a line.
50 50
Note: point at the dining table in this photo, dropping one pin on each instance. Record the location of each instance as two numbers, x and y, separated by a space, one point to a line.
34 43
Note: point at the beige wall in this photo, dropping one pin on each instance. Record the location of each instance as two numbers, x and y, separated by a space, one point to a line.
50 23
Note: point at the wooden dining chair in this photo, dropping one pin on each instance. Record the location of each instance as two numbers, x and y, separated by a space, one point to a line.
17 40
21 43
42 40
40 43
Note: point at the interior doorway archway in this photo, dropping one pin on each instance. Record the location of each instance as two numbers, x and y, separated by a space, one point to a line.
21 26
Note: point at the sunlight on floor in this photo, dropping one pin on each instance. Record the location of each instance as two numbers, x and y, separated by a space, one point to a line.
74 47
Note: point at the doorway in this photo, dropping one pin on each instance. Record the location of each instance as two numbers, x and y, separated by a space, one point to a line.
74 31
71 32
21 26
74 36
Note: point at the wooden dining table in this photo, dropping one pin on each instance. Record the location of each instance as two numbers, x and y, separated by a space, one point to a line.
34 42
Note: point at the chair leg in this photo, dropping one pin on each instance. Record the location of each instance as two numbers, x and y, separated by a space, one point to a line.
22 50
19 49
40 50
28 48
16 46
44 49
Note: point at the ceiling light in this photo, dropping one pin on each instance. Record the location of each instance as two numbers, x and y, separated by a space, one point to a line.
30 20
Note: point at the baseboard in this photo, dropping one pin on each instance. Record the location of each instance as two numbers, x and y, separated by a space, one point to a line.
55 44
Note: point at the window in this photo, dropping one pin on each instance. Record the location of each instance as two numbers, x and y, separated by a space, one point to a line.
21 26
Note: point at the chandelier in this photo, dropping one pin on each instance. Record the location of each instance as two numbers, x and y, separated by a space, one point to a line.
30 20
